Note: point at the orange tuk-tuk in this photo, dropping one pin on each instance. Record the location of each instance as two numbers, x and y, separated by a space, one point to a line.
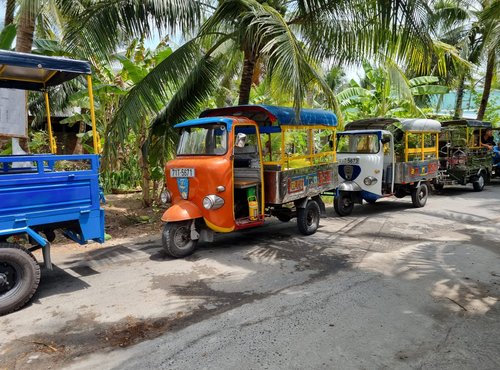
237 165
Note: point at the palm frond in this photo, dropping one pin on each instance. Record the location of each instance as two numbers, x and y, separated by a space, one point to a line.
104 24
148 95
184 104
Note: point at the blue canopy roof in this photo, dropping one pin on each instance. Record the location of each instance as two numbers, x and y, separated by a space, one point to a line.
36 72
268 115
205 121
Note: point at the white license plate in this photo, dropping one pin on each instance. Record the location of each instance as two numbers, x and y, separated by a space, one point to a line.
349 161
182 172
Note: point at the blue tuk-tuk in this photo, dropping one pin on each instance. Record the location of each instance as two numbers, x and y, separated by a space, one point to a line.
40 192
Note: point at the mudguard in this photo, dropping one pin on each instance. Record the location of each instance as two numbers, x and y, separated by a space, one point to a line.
181 211
348 186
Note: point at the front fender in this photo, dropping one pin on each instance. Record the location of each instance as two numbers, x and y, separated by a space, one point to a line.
181 211
349 186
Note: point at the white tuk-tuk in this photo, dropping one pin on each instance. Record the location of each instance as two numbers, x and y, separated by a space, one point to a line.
382 157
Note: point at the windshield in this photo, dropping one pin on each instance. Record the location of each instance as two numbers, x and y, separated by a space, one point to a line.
203 140
358 143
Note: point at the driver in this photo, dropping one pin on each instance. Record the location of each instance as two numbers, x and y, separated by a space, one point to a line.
487 139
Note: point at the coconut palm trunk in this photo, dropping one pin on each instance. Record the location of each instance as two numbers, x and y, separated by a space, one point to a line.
24 43
10 7
25 31
460 98
247 76
490 67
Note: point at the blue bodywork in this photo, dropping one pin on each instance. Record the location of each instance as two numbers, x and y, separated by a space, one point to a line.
206 121
39 197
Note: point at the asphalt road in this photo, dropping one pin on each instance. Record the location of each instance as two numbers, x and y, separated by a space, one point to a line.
388 287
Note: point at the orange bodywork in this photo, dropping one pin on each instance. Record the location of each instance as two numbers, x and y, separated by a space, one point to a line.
210 172
182 211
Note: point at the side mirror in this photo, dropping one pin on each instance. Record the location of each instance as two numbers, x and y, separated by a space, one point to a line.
240 140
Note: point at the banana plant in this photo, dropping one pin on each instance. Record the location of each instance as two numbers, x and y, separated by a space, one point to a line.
386 91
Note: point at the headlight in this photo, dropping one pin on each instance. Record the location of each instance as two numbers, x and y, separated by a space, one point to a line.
212 202
165 197
370 180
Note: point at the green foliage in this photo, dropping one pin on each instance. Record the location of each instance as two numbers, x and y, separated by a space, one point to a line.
140 93
7 36
385 91
39 142
492 113
125 175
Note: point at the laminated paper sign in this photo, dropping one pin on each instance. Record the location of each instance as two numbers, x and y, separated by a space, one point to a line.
13 113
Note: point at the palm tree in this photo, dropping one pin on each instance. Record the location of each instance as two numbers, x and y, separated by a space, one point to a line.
284 40
386 91
473 27
490 18
26 25
10 7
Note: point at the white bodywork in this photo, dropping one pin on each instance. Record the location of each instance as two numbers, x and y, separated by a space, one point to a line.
364 168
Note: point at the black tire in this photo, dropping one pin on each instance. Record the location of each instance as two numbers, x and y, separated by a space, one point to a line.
479 182
419 195
343 204
19 277
438 187
177 240
308 218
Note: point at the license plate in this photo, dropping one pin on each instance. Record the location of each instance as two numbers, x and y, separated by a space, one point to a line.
182 172
349 161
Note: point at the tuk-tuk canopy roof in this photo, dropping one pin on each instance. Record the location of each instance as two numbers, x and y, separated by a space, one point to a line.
36 72
205 121
467 122
407 124
269 115
420 124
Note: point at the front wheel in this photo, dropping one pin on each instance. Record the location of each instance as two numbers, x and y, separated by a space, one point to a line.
419 195
19 277
478 183
177 240
343 204
308 218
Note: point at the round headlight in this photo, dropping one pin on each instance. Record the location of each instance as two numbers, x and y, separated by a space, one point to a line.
165 197
212 201
207 203
370 180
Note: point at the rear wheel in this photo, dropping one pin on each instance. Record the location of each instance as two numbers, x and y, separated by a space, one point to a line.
479 181
343 204
419 195
308 218
177 240
19 277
